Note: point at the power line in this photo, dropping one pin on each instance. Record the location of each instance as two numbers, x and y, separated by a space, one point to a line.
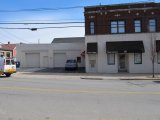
27 23
42 20
15 36
39 27
41 9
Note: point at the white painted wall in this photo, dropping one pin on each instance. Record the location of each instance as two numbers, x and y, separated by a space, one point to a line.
72 51
102 67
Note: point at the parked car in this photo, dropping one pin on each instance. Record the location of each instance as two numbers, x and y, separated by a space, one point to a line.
71 64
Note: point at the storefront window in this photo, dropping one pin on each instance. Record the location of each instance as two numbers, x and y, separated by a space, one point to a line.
137 58
158 57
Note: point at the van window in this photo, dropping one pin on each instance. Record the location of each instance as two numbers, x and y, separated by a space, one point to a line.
12 62
8 62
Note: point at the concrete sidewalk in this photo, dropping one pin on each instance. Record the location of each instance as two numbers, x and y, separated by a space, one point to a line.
32 72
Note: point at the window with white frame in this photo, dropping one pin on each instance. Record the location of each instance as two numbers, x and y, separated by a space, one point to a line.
137 26
92 31
1 54
158 57
137 58
111 58
118 26
152 25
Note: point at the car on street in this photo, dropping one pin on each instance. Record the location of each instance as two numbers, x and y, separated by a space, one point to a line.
71 64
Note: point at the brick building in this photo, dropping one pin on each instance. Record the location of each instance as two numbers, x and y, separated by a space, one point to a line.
122 37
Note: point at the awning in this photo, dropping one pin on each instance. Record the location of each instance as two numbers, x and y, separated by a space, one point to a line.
125 46
158 45
91 48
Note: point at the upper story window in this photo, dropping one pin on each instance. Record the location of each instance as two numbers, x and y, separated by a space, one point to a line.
117 26
137 26
152 25
8 55
92 31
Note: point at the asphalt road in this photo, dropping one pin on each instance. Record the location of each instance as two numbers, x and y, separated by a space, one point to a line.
36 98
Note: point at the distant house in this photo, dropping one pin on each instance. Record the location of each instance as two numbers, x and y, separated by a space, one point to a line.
8 50
6 53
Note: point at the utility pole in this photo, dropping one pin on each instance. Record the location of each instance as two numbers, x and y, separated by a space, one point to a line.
38 41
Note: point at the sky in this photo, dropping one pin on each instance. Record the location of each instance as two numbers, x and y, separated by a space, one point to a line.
45 16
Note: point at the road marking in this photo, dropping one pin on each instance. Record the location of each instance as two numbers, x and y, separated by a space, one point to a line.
78 91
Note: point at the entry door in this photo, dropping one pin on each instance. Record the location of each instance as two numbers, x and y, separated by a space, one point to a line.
122 63
45 61
92 65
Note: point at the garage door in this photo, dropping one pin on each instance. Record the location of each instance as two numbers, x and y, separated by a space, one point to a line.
33 59
59 59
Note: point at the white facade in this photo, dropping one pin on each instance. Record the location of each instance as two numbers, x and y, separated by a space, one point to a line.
49 55
100 58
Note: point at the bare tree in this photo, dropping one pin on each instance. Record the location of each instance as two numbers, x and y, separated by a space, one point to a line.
153 51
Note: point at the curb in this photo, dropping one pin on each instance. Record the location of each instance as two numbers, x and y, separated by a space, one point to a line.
92 78
139 78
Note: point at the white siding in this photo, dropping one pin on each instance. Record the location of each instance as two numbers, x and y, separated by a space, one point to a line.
103 67
47 51
45 61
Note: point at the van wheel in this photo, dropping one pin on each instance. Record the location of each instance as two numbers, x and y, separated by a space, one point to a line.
8 75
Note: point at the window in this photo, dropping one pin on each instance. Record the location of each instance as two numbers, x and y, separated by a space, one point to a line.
137 26
152 25
117 26
78 59
92 63
137 58
8 54
91 27
8 62
158 57
1 54
111 58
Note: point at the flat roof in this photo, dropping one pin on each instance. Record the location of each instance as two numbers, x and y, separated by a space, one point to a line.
133 3
69 40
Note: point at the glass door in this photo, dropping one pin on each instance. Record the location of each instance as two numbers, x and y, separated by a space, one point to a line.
122 63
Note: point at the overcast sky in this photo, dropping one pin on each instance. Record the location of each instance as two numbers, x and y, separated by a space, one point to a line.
45 35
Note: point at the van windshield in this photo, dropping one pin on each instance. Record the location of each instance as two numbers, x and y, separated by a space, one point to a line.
71 61
9 62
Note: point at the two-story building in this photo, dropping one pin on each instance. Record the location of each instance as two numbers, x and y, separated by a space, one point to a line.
122 38
8 50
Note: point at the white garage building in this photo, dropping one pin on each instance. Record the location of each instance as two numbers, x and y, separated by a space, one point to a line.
52 55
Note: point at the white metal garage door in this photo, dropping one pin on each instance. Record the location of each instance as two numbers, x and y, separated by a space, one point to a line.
33 59
59 59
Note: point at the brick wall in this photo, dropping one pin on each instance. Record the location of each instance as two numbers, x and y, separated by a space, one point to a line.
103 15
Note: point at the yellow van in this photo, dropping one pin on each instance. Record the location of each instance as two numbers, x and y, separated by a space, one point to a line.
7 66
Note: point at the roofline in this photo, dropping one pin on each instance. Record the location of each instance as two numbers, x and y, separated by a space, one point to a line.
132 3
68 37
5 49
